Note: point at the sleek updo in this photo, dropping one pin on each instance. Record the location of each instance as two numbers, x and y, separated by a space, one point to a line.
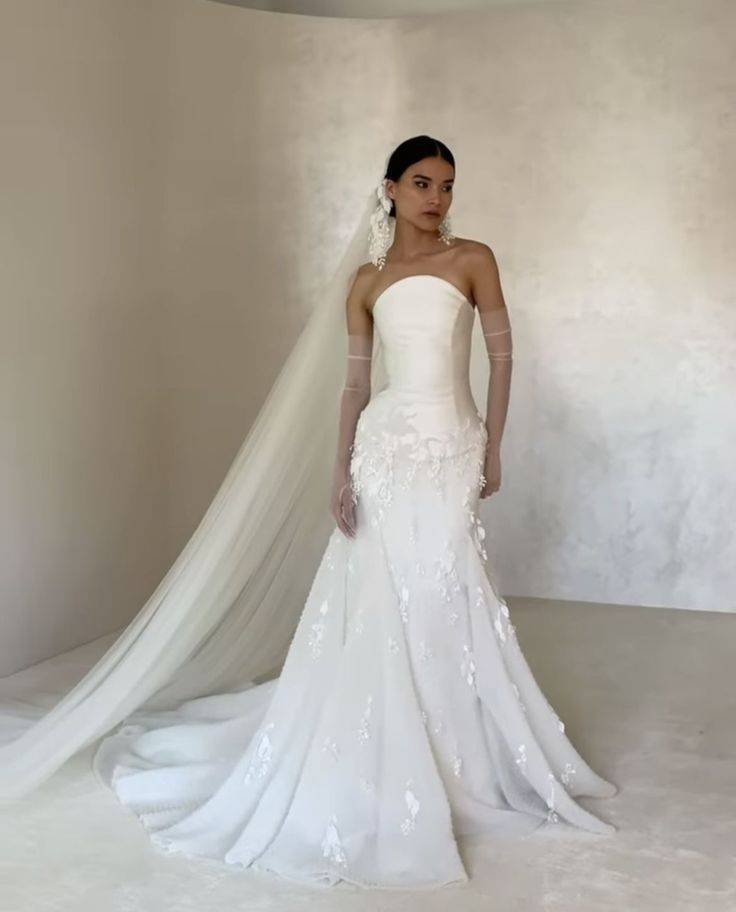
410 152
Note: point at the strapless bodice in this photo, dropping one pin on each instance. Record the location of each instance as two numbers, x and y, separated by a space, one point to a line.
425 326
425 413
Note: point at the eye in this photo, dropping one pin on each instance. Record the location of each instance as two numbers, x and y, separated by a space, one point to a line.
423 184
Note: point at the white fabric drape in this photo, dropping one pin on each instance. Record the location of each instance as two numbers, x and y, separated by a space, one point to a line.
225 612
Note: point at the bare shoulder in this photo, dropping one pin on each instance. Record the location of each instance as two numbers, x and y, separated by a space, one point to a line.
365 283
359 320
476 253
362 280
481 268
366 272
479 262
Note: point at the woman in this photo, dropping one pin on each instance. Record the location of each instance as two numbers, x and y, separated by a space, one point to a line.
405 715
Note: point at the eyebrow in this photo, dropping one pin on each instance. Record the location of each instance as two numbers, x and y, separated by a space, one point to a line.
449 180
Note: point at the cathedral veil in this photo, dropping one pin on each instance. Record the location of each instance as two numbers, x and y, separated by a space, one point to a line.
224 614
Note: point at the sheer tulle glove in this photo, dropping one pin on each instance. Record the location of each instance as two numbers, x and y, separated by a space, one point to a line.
355 396
497 334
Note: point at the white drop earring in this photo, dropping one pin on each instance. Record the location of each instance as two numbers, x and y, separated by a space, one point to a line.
380 231
445 229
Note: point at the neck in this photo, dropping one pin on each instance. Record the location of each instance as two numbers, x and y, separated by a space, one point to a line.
412 243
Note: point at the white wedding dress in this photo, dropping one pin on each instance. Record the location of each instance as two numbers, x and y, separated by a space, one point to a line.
405 715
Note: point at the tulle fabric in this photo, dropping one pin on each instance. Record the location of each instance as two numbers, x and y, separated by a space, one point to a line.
405 716
355 396
225 612
496 327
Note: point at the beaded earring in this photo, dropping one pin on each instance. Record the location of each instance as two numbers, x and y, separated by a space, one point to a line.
380 231
445 229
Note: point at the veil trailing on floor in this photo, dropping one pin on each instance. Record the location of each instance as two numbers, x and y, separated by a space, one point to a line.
224 614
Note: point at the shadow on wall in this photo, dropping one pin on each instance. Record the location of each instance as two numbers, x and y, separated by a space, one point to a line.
369 9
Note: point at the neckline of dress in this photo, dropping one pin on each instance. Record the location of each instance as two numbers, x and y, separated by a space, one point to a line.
422 275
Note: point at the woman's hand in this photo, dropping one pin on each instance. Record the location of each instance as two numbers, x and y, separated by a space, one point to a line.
342 506
492 473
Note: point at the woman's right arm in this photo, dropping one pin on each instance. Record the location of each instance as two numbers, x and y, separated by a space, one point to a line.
355 396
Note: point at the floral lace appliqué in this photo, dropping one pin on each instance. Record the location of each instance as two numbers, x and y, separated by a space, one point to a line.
521 759
446 575
567 775
317 632
390 453
467 666
332 844
261 758
364 731
412 804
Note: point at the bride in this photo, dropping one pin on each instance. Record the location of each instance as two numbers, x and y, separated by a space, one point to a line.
404 716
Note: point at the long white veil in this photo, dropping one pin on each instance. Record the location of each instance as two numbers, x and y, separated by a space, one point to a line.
224 614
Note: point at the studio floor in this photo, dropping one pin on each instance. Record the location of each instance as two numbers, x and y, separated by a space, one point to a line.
648 698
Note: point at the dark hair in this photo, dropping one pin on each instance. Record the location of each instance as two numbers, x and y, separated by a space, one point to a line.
412 151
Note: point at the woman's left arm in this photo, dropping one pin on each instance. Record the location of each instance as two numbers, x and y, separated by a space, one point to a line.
494 320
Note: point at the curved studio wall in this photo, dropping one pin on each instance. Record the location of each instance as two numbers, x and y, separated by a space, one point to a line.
592 150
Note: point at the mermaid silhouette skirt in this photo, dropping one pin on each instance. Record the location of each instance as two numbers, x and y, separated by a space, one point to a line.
405 716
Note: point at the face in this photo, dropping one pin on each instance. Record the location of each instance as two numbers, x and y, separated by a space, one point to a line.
423 193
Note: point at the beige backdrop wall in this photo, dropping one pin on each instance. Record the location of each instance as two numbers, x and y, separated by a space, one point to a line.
82 535
180 178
